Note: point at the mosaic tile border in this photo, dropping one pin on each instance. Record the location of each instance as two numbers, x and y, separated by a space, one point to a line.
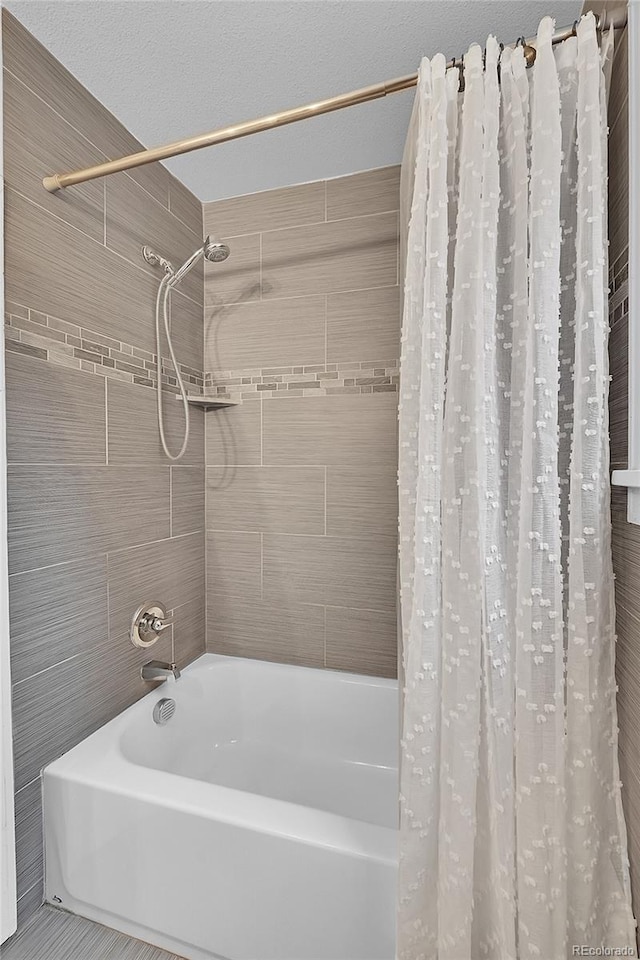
57 341
66 344
368 376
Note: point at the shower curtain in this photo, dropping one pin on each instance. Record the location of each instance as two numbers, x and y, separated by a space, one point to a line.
513 842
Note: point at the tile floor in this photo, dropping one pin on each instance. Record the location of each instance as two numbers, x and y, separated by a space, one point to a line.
52 934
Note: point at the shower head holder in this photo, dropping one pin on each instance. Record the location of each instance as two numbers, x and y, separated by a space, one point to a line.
155 260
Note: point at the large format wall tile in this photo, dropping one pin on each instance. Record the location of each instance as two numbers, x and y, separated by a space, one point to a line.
306 332
37 141
262 499
237 279
341 430
619 182
363 325
185 206
136 440
330 257
234 566
54 414
64 513
79 280
38 69
132 221
330 570
362 500
280 630
361 194
56 613
363 641
269 210
233 436
29 845
170 571
187 321
272 333
189 630
619 393
29 839
187 499
69 509
54 710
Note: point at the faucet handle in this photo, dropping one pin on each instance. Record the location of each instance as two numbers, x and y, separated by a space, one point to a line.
149 620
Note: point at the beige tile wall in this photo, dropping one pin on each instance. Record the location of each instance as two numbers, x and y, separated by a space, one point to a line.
302 325
98 519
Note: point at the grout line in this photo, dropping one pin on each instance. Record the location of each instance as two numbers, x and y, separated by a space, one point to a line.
326 331
140 269
325 499
39 673
31 782
108 600
96 556
106 422
262 566
386 537
261 431
309 296
313 223
324 636
325 202
166 207
26 894
170 502
260 261
303 183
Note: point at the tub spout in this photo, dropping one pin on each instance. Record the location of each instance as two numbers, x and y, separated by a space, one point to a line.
157 670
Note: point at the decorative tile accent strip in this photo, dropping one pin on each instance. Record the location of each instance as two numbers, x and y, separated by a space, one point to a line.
370 376
50 338
57 341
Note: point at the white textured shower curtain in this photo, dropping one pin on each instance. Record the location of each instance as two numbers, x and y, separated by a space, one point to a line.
513 842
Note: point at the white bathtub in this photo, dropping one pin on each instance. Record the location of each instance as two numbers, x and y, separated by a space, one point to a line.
258 824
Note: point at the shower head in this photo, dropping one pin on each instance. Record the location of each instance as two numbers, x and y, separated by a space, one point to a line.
212 250
215 251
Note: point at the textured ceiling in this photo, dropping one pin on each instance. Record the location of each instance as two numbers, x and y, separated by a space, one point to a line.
174 68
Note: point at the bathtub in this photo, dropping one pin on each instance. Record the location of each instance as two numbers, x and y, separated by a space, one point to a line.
258 823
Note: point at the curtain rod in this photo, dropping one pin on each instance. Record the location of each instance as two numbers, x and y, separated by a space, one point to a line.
58 181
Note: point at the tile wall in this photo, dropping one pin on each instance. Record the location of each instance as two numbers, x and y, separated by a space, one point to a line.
302 324
98 520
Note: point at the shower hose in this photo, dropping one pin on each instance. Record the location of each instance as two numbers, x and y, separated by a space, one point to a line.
162 302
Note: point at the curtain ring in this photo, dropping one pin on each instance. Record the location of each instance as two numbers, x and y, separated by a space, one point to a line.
574 28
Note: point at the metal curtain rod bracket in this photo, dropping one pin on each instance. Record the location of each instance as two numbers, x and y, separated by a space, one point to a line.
59 181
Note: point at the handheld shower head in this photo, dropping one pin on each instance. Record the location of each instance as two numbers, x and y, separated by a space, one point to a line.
215 251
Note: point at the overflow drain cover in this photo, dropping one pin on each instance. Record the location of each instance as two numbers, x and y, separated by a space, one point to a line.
163 711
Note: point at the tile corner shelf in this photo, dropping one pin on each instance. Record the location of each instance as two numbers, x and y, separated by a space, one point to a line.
211 403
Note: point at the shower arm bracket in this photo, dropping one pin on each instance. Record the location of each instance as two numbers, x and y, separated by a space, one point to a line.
155 260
